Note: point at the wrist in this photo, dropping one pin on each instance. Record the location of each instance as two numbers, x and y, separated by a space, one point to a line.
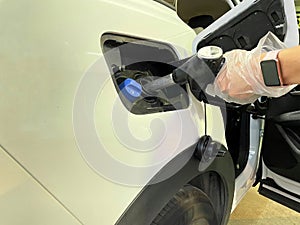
271 69
287 63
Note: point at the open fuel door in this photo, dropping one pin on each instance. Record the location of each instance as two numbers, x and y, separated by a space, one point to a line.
242 27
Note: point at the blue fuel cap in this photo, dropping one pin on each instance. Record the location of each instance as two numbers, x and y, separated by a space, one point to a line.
131 89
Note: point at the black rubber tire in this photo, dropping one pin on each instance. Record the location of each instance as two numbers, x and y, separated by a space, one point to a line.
189 206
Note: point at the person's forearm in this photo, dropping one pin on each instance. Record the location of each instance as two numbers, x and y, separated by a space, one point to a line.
290 65
241 79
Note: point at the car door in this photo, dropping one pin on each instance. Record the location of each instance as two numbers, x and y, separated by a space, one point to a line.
281 151
280 167
280 174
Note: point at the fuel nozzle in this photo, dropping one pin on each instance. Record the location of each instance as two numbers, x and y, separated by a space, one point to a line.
201 69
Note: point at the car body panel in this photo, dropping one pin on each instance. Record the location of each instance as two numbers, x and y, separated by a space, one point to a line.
247 178
49 49
48 52
21 195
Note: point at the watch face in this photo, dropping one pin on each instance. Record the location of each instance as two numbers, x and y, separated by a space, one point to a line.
270 72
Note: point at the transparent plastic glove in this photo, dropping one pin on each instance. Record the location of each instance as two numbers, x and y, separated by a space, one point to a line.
240 80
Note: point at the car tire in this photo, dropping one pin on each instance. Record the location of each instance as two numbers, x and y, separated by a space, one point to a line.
189 206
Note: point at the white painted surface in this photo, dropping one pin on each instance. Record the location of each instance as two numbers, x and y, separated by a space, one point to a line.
48 48
246 179
24 201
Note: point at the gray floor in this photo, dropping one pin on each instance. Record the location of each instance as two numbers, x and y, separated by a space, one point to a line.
255 209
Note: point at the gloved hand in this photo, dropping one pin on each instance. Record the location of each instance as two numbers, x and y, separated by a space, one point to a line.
240 80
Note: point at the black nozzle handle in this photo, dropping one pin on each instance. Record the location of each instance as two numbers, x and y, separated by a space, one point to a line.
199 70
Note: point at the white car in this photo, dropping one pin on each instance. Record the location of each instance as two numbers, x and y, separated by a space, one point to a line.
78 147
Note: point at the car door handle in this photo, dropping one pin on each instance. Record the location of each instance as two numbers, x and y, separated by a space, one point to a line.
290 119
295 92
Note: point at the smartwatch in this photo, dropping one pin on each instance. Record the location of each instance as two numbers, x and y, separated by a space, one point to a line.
271 70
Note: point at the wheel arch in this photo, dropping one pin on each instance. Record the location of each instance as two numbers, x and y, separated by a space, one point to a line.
155 196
